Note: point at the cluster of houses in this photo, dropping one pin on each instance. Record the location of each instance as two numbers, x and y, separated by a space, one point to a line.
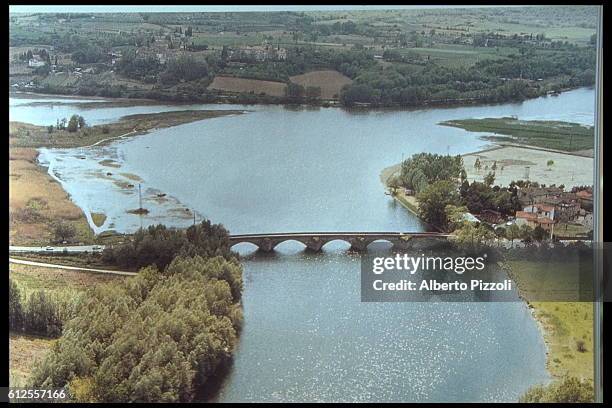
545 207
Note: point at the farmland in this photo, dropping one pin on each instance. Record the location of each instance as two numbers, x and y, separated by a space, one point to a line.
405 57
330 82
231 84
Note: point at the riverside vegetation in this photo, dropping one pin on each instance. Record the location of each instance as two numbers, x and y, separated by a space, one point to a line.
542 133
154 337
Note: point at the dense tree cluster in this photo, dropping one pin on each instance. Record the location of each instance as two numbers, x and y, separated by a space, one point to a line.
423 169
490 80
184 68
138 67
89 54
158 245
480 196
152 338
37 313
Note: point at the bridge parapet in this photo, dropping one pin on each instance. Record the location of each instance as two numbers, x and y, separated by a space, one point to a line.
359 241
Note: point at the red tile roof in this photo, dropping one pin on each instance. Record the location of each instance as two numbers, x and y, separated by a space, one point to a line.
526 215
584 194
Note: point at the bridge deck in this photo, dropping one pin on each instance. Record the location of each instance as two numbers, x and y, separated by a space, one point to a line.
338 234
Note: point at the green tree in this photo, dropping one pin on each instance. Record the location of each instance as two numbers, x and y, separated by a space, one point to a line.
566 390
513 232
64 231
42 315
15 307
433 201
455 216
477 164
473 236
394 183
539 233
526 233
294 90
73 123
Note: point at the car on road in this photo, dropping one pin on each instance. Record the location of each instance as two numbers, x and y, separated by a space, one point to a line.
49 248
96 247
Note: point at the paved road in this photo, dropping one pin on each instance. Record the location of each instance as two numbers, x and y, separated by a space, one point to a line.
73 268
73 249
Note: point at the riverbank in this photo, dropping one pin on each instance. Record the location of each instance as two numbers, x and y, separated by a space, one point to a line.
547 134
28 135
246 96
409 202
37 202
567 327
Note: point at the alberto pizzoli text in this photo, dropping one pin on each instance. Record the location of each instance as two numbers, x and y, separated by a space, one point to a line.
435 286
410 265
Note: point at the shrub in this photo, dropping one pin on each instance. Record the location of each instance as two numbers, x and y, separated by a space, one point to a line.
581 346
567 390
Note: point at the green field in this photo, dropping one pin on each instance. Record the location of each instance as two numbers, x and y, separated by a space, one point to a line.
548 134
565 324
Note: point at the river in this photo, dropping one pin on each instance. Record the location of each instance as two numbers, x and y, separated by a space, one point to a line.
307 336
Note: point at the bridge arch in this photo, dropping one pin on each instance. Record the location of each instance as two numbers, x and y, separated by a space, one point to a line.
315 241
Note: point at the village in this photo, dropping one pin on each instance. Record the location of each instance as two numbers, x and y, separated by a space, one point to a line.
529 200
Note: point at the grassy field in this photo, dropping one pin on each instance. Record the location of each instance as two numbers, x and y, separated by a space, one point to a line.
256 86
24 353
566 325
36 201
571 230
30 278
330 82
452 55
549 134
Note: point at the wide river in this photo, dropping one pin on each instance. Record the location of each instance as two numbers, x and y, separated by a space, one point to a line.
307 335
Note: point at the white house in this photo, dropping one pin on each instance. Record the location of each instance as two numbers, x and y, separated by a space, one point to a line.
35 63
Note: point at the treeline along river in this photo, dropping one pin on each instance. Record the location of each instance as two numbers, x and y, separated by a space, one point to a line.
307 336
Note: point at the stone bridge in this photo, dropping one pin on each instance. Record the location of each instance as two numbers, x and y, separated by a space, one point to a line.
359 241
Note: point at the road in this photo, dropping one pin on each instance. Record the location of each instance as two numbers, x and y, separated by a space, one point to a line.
73 268
71 249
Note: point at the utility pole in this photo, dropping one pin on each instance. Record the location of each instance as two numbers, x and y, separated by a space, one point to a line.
140 204
139 197
193 211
